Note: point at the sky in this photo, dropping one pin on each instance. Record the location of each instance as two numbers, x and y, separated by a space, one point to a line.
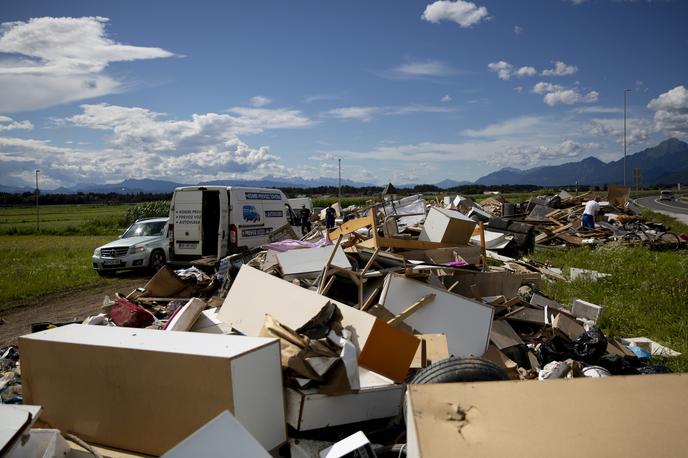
400 91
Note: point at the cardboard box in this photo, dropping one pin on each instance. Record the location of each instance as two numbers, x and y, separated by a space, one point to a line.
629 416
255 293
465 322
447 226
146 390
378 398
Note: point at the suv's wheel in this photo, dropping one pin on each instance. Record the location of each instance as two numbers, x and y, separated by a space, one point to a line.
157 260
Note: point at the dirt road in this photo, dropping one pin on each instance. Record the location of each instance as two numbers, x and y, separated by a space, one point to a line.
65 306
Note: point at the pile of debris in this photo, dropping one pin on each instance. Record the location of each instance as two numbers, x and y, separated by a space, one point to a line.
307 347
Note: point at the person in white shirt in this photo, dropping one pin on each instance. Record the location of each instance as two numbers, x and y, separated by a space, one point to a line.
592 207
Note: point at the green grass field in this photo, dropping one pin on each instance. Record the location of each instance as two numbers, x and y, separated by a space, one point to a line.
646 296
64 219
36 265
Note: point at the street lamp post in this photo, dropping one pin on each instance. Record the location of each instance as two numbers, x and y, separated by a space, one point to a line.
37 227
626 91
340 181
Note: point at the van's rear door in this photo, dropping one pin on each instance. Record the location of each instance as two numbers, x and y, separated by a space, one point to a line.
188 218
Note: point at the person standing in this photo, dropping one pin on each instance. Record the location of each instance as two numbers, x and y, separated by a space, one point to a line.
330 214
305 220
592 207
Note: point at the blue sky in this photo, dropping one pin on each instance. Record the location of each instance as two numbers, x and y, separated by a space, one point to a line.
407 91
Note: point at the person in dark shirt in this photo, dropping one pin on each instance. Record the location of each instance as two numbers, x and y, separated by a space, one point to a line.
305 220
330 214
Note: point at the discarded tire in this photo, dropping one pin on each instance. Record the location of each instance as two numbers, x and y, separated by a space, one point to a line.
457 370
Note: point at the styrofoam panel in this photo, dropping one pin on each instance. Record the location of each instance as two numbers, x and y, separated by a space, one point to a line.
306 260
465 322
216 438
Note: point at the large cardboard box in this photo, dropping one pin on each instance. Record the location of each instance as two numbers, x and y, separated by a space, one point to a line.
629 416
146 390
255 294
465 322
447 226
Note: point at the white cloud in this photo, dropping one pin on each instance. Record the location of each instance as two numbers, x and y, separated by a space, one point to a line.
671 111
58 60
505 70
446 98
560 69
638 130
255 120
321 97
461 12
544 87
525 71
529 156
7 123
555 94
428 68
598 110
360 113
576 2
502 68
323 157
366 113
260 101
141 143
518 29
515 126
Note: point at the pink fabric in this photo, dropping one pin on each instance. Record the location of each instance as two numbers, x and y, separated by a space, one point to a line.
286 245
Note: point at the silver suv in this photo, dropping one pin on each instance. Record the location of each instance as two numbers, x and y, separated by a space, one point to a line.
143 246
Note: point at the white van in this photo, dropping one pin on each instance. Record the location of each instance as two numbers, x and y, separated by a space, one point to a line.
297 203
220 220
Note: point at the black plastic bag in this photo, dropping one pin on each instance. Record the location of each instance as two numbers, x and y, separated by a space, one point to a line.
555 349
590 346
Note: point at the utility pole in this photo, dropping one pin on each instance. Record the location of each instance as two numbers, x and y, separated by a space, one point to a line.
37 192
340 181
626 91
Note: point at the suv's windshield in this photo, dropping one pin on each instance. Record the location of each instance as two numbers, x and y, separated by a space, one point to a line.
145 229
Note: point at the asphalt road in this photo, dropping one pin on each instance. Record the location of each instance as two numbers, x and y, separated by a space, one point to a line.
671 206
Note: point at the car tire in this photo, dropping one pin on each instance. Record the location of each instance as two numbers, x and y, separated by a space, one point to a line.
157 260
451 370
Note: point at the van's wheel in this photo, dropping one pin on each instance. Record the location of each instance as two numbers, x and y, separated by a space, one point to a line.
157 260
450 370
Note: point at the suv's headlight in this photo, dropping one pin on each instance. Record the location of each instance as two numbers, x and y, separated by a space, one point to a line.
96 252
137 249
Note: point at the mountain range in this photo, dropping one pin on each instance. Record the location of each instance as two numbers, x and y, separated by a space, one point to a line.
665 163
